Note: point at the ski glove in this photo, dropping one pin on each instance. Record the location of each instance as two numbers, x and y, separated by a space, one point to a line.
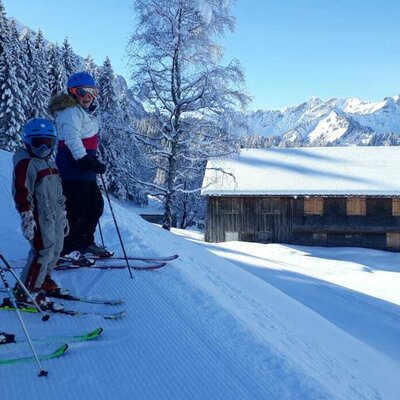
65 225
92 163
28 225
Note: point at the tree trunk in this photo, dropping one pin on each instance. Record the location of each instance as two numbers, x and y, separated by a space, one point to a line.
167 218
168 208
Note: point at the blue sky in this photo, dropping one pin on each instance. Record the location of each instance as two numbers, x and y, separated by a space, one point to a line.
291 50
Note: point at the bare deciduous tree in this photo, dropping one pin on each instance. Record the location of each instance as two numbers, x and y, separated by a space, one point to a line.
178 75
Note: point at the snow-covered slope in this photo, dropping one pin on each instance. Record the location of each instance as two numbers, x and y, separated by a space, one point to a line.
201 328
336 121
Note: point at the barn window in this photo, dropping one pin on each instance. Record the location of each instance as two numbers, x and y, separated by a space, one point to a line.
314 206
229 206
393 240
396 207
270 206
356 206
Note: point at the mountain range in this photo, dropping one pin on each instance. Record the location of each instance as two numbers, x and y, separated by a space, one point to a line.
333 122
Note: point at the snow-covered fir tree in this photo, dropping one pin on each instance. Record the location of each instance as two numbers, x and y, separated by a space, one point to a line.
176 62
11 109
3 27
56 73
10 105
21 68
28 48
29 53
107 91
40 86
69 59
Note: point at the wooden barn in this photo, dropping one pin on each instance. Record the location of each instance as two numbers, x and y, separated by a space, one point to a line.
324 196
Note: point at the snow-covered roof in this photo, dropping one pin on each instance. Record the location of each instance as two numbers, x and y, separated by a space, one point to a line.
373 171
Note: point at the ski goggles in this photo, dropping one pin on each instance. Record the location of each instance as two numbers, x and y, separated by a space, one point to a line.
84 92
42 141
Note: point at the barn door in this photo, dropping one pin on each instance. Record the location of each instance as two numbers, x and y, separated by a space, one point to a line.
274 220
267 218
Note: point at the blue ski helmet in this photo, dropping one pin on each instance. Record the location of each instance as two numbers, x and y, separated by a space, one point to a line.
40 136
81 79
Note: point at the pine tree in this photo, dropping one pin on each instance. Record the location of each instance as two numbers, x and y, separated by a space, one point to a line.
68 58
107 91
56 72
11 110
10 104
29 52
40 88
3 28
20 62
110 144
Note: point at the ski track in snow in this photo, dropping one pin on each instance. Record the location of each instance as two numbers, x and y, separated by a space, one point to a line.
174 352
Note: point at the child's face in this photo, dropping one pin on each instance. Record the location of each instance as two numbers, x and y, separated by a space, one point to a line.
40 153
85 102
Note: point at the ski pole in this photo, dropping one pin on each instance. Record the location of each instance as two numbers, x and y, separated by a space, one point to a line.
42 372
101 235
45 316
116 226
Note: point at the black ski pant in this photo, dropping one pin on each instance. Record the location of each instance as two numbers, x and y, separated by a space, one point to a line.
84 206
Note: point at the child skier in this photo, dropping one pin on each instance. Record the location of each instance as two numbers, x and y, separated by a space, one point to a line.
38 197
78 164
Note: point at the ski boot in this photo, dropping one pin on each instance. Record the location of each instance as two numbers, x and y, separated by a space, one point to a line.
51 289
39 296
75 258
6 338
97 251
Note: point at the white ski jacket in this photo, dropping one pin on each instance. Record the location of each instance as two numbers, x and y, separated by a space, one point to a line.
78 130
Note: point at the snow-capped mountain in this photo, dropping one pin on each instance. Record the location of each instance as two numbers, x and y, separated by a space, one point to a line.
331 122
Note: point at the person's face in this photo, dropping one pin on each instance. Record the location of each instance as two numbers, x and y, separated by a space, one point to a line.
84 96
85 102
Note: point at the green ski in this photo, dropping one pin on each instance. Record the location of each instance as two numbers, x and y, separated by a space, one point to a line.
8 307
57 353
69 339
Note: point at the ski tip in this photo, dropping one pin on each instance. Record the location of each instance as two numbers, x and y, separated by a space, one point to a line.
115 316
62 349
149 267
57 353
95 333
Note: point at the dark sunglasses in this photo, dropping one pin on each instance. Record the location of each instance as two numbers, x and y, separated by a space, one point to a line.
39 141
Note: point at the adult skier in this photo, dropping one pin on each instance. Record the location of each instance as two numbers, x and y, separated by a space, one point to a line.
78 163
39 199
